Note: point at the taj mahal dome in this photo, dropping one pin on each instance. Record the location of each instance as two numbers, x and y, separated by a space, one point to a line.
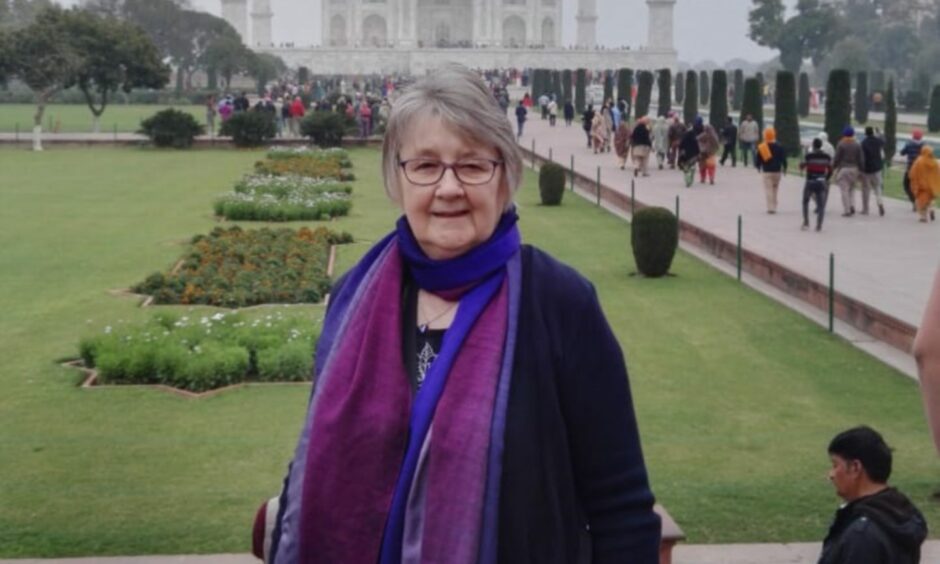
413 36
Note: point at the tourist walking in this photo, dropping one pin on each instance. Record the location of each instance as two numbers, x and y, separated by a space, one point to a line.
285 117
365 119
729 138
438 380
771 160
587 123
622 143
708 154
911 150
640 145
569 113
598 132
676 132
211 112
521 113
297 112
543 105
925 183
848 164
826 145
688 153
818 168
873 149
660 140
748 134
552 112
615 115
608 128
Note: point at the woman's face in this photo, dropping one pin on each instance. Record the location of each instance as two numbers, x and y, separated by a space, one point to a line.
449 218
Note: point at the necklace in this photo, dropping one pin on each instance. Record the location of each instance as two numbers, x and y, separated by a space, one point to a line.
422 327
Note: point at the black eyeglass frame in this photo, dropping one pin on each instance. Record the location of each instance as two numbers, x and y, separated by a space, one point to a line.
451 166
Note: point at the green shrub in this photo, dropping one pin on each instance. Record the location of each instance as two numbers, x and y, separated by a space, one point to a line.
249 129
625 90
580 88
891 124
703 89
565 87
914 101
290 362
171 128
680 87
786 121
326 129
753 102
738 97
803 95
664 84
551 184
861 97
690 98
718 107
655 237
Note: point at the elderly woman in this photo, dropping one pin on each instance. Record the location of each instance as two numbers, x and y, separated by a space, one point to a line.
471 403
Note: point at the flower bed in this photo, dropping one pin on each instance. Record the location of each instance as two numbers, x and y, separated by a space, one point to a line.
236 268
284 198
203 352
337 155
311 167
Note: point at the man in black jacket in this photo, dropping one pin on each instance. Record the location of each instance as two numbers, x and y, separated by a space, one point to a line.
729 136
873 148
877 524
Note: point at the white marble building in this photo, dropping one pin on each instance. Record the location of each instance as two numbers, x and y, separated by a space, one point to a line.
412 36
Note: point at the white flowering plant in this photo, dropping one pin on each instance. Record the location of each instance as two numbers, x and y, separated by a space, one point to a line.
284 198
199 352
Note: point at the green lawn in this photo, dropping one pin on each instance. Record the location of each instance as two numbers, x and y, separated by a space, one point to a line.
736 396
77 118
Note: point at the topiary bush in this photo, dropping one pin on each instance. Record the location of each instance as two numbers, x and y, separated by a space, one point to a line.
552 184
644 93
171 128
933 115
838 103
655 237
690 102
250 129
325 129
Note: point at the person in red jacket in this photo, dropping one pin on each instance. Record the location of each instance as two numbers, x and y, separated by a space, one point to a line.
296 115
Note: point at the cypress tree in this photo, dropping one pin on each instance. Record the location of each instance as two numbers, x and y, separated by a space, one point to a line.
718 107
625 89
579 90
680 87
752 103
556 86
703 89
608 85
933 115
891 124
861 97
690 105
738 90
644 93
878 90
664 83
803 98
786 121
566 85
838 103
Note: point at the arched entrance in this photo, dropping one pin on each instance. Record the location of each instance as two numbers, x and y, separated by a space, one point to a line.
374 31
338 31
548 32
514 32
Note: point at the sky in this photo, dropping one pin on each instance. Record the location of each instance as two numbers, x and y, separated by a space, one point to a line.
713 30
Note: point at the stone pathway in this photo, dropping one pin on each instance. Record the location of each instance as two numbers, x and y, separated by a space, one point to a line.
886 262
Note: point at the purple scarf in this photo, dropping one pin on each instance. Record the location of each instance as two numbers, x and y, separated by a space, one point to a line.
346 495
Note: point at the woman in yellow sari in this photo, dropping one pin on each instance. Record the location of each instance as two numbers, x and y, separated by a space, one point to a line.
925 182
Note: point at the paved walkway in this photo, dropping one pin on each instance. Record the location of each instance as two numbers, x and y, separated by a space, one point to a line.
886 262
797 553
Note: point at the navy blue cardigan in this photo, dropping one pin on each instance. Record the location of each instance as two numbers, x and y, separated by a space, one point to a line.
574 486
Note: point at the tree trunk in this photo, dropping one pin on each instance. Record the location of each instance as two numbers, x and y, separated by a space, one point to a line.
96 123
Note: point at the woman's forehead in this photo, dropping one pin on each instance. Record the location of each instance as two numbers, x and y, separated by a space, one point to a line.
433 135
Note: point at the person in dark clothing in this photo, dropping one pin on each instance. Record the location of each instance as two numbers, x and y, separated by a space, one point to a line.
818 167
873 148
569 113
587 119
675 133
520 117
877 524
689 151
241 103
771 160
911 150
729 136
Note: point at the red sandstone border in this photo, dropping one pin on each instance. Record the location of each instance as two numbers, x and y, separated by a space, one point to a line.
870 320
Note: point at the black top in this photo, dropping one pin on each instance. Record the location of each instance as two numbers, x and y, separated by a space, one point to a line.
777 161
873 147
419 348
640 136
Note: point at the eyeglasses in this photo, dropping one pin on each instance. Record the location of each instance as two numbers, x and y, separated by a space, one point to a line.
471 172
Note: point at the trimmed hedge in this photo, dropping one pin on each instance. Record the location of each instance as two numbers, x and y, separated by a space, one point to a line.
625 90
644 93
250 129
580 88
738 97
861 97
753 103
655 238
891 124
703 88
838 104
933 116
718 108
172 128
802 102
786 121
664 83
680 87
325 129
690 105
552 184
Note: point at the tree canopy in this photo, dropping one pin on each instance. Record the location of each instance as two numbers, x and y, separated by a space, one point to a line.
807 34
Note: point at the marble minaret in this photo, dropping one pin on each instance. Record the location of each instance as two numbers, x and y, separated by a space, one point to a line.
587 24
261 23
235 12
660 25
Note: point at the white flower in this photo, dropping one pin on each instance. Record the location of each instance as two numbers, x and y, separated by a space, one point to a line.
107 329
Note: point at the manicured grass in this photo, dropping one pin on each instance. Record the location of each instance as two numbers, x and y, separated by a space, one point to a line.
77 118
736 396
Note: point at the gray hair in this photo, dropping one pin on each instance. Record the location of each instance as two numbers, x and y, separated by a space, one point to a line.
460 98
